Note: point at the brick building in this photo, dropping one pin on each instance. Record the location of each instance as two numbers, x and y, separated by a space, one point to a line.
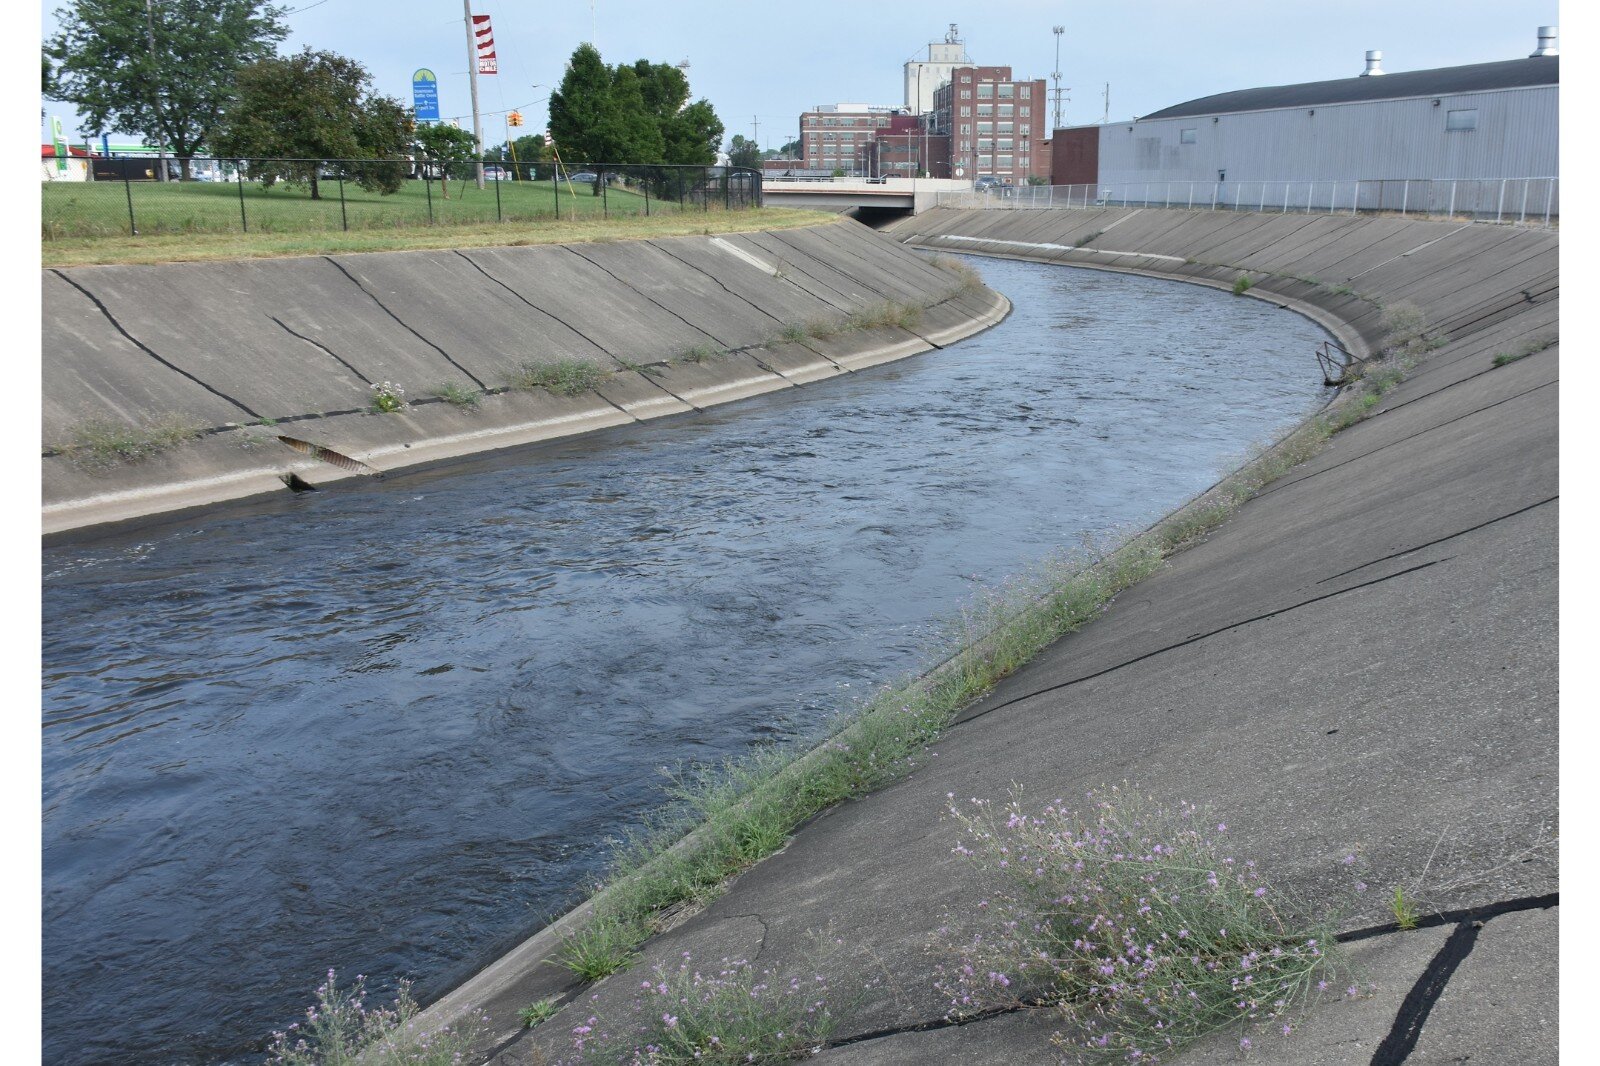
832 135
905 148
995 125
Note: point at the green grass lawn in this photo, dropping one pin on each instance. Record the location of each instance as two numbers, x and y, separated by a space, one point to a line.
75 211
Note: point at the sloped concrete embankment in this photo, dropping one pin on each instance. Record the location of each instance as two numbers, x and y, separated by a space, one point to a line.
255 349
1362 661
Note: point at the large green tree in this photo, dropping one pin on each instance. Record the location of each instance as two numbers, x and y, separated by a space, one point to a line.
297 116
161 71
630 114
451 148
744 153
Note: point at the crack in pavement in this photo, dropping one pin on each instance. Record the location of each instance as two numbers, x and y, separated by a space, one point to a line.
1193 640
1423 995
402 323
1441 540
647 296
151 352
1284 483
552 317
320 347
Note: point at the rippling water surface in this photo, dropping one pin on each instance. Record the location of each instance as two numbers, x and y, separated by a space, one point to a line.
383 727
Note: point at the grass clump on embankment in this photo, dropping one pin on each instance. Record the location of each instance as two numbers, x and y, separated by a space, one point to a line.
101 445
1135 922
563 377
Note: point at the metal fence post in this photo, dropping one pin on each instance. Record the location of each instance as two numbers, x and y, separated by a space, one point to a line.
1549 198
1451 213
1500 204
244 223
605 202
555 193
127 187
344 218
1523 215
498 217
646 184
1405 197
427 187
1285 210
1355 199
1263 205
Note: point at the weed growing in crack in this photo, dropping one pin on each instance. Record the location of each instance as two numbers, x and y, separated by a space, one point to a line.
728 1013
100 445
1241 285
539 1011
564 377
388 397
1135 922
1404 908
1530 348
458 395
886 314
601 948
699 353
970 281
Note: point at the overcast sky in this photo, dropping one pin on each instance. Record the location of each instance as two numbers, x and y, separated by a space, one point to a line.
766 61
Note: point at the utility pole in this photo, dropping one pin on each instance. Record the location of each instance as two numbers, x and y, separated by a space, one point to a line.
472 74
1105 118
1058 31
755 121
150 30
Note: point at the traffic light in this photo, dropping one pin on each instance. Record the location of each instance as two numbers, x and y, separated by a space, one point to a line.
514 118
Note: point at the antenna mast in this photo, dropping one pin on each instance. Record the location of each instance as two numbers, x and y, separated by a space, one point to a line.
1058 31
1107 94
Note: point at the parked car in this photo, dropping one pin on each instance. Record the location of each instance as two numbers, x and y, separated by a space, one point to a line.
496 174
588 177
985 181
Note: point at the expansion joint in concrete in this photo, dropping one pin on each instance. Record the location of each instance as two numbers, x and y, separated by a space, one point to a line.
1197 638
335 356
1285 483
403 323
151 352
698 329
667 252
1441 540
480 268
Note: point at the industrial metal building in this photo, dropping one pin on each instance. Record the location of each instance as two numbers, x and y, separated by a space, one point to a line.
1469 133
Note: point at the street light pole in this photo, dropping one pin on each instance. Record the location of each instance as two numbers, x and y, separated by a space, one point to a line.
472 74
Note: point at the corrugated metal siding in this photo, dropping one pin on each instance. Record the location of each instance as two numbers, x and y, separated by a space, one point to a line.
1516 137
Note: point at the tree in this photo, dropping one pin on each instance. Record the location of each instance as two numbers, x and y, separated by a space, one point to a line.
161 72
791 150
446 145
743 153
630 114
289 115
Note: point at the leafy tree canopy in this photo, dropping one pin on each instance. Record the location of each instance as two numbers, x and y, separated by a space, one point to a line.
101 61
290 114
635 113
744 153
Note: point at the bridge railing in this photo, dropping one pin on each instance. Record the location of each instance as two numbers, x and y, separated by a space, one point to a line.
1526 200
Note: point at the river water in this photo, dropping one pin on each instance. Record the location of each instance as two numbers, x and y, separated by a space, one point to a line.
388 727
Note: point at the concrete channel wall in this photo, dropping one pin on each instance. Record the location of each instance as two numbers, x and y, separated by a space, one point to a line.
1359 666
257 349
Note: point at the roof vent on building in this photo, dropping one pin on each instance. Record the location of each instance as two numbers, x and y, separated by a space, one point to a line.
1547 43
1374 58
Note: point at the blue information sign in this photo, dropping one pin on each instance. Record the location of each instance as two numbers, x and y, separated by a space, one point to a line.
425 95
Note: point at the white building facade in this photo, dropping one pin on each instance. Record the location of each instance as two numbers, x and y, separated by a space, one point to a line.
924 77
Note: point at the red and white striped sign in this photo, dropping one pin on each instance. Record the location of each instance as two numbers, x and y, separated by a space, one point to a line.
484 36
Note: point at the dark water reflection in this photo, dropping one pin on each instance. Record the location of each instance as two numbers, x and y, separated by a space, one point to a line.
383 728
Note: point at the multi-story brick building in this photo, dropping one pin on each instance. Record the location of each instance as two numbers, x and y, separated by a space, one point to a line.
831 135
905 148
996 125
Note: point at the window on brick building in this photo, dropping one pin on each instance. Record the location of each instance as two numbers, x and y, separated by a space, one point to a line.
1024 111
966 94
1025 91
986 92
1005 110
1007 91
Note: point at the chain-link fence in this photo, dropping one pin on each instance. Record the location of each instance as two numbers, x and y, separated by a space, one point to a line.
1527 200
146 196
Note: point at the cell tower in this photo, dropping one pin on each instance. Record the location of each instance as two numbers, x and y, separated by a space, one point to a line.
1056 74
